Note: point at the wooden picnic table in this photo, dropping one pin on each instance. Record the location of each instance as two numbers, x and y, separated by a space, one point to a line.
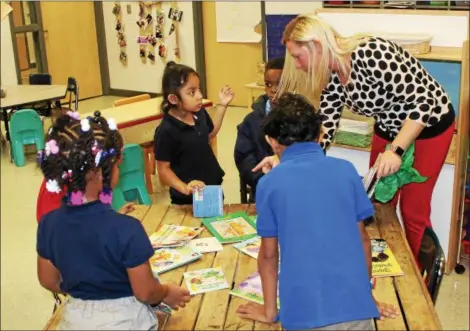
217 310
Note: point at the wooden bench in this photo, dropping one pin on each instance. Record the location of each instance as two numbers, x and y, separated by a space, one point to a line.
217 310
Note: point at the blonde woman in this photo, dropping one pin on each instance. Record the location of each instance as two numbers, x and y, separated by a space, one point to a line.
376 78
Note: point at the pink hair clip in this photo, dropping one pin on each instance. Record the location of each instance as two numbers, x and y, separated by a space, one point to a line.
74 114
51 147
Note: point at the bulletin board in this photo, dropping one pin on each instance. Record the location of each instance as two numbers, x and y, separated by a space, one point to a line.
277 15
139 74
275 25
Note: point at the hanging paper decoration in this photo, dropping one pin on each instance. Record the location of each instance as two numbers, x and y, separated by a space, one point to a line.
175 15
162 50
142 52
159 30
121 38
145 23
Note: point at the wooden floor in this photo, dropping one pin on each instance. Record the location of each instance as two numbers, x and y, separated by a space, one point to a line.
217 310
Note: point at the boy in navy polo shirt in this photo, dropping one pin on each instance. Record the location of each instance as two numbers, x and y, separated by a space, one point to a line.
251 147
313 207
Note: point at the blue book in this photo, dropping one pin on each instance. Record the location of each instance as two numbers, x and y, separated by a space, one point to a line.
208 202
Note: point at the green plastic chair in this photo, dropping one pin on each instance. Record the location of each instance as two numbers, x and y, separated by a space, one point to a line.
131 184
118 199
25 129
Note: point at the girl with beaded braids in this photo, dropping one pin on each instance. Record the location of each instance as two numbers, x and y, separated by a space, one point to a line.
100 258
59 140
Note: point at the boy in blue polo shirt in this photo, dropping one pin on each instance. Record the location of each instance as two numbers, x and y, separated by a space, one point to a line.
313 207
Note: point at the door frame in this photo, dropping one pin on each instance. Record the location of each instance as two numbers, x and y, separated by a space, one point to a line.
38 32
103 52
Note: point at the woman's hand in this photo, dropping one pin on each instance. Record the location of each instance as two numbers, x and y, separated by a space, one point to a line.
225 96
193 186
256 312
267 164
387 164
127 208
386 310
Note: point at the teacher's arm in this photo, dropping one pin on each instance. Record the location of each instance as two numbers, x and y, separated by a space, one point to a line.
331 108
408 133
413 89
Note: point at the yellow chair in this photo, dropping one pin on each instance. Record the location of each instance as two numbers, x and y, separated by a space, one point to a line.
126 101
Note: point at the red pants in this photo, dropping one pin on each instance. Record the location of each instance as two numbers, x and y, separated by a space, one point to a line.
415 198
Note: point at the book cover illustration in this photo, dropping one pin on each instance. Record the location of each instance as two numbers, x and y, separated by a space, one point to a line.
250 289
384 263
206 245
206 280
231 228
170 235
166 259
250 247
208 202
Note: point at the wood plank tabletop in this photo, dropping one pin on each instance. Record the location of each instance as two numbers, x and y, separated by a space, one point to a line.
217 310
22 95
136 113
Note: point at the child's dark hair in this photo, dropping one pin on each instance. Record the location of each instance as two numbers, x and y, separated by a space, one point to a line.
113 142
71 151
292 120
276 63
175 77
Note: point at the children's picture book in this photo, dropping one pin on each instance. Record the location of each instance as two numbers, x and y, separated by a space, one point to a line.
208 202
253 218
370 181
384 263
206 280
231 228
250 247
250 289
170 235
206 245
166 259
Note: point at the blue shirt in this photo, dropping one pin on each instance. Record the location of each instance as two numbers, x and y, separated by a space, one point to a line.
268 106
313 203
92 246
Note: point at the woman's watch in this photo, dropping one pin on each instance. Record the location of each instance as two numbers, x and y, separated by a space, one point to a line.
397 150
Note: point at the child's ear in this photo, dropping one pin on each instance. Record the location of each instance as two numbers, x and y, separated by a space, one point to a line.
173 99
320 134
272 142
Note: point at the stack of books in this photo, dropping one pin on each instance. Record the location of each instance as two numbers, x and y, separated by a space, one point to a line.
354 133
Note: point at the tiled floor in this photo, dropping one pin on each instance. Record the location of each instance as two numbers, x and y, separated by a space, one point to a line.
26 306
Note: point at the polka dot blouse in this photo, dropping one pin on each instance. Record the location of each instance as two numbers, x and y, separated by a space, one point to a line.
388 84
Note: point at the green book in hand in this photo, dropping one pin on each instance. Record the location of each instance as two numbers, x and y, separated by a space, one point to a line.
231 228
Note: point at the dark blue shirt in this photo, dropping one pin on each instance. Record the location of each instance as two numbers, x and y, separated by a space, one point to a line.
313 203
92 246
188 149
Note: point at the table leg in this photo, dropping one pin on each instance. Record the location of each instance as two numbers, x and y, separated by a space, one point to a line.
5 119
7 133
250 98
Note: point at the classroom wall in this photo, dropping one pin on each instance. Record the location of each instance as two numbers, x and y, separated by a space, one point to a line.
294 7
447 29
7 56
234 64
138 76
